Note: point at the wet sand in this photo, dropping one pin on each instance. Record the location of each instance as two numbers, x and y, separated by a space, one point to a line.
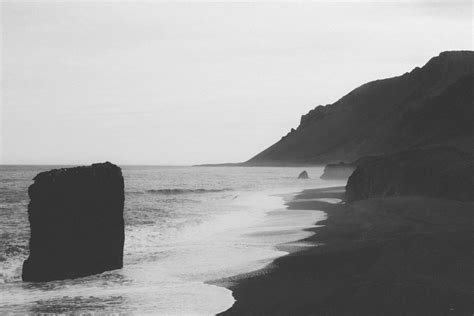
391 256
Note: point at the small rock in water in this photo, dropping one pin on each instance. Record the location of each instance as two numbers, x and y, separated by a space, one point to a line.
303 175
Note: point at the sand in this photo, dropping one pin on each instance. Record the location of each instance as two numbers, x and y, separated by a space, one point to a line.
391 256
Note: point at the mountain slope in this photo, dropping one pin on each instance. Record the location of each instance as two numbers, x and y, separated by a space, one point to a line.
432 105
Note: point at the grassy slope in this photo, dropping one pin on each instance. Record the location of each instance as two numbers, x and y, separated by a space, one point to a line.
429 105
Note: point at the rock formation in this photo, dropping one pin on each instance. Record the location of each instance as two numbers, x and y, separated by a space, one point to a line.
76 221
441 172
339 171
303 175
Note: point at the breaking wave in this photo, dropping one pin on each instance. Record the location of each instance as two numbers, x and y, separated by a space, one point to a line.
186 191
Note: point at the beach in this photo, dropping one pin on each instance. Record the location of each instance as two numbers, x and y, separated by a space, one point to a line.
276 246
393 256
184 227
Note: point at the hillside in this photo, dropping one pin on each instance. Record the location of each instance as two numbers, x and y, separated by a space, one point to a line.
431 105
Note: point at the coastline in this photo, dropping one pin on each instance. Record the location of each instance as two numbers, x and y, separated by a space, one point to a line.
273 234
393 256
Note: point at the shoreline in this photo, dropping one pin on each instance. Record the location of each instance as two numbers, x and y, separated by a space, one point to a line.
394 256
278 233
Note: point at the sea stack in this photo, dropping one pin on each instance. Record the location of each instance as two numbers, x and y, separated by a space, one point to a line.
76 221
303 175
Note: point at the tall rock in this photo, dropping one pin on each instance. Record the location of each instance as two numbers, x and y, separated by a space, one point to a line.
76 221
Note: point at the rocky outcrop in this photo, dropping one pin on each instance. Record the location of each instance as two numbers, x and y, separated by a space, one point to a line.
441 172
303 175
339 171
426 107
76 221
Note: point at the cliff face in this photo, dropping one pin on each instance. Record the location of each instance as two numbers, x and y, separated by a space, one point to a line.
76 221
437 172
432 105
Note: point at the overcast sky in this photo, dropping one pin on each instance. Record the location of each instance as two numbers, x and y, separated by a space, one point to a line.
188 83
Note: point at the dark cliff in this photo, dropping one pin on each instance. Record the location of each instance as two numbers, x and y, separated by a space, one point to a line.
76 221
441 172
428 106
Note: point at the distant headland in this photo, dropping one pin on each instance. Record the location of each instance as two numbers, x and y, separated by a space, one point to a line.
426 107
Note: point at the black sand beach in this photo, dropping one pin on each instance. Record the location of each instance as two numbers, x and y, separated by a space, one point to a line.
391 256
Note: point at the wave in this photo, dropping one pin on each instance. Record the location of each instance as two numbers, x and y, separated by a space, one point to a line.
134 192
186 191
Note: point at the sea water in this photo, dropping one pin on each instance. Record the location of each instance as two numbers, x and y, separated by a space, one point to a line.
185 226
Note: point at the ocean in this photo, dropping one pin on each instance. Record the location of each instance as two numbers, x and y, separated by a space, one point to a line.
185 226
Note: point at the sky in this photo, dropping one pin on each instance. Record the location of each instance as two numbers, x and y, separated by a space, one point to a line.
180 83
